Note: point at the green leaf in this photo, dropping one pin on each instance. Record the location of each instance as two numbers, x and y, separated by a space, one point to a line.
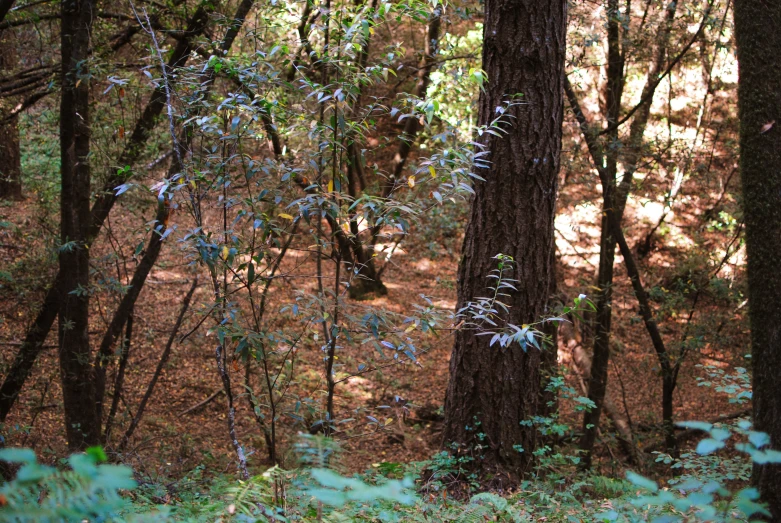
764 457
709 446
97 454
33 472
17 455
642 482
720 434
758 439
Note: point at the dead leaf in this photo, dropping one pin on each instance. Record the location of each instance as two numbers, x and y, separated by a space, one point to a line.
767 127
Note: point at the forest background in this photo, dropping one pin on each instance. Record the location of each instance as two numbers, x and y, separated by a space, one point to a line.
274 203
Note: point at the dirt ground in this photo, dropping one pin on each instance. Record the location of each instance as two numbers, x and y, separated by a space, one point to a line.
174 437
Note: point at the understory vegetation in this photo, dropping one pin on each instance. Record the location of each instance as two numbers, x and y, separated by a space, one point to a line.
409 260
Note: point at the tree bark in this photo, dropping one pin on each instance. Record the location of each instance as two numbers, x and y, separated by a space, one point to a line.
759 103
512 214
81 425
10 157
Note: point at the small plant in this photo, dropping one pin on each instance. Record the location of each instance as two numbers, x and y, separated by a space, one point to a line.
487 314
40 494
702 493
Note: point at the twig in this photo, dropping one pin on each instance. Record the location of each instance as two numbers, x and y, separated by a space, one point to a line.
120 379
163 360
202 403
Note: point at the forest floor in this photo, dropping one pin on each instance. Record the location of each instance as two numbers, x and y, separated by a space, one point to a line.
170 441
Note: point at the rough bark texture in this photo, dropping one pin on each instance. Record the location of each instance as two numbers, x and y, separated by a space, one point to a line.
759 102
512 214
78 391
10 158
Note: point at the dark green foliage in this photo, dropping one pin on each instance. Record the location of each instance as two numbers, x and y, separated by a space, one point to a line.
42 494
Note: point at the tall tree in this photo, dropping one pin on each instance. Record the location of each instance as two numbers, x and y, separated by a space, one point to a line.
512 213
78 388
759 107
10 159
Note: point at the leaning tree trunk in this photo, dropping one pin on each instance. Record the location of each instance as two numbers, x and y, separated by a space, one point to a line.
512 214
10 158
81 424
759 107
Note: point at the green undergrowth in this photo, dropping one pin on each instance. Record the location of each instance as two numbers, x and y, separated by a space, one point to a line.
708 483
84 488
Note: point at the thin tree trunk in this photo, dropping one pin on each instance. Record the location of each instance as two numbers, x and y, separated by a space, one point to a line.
759 104
669 370
613 222
512 213
126 306
160 366
614 197
597 383
78 391
120 379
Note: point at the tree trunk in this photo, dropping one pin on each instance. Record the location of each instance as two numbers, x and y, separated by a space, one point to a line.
512 214
614 200
759 103
10 158
597 384
668 410
81 424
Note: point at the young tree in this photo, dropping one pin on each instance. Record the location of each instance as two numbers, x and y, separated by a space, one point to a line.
81 423
493 389
759 107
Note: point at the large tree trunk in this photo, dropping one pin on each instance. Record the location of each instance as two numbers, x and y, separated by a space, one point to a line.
759 105
10 158
512 214
81 424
